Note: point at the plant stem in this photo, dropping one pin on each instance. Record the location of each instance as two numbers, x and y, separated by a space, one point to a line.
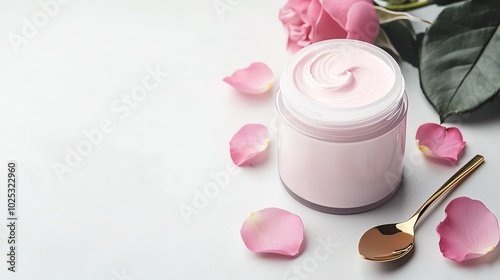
410 6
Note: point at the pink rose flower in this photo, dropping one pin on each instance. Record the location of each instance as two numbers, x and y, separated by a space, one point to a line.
310 21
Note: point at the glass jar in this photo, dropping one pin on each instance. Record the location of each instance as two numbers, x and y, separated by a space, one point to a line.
342 126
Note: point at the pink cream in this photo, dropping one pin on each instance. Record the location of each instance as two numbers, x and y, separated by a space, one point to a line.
341 138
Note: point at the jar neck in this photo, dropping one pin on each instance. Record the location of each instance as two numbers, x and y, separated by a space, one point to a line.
342 132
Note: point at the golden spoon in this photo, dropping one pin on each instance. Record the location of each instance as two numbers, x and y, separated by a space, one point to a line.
393 241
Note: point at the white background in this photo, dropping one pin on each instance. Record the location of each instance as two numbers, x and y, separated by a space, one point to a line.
116 215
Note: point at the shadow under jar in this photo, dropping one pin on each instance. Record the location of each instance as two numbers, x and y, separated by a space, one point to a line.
342 126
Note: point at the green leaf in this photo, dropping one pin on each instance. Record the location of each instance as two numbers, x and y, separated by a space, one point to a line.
385 16
399 2
403 5
385 43
445 2
460 57
402 37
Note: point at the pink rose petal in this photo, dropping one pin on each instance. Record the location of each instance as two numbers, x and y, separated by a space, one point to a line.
310 21
362 22
440 142
294 17
469 230
326 27
256 78
250 141
357 17
273 230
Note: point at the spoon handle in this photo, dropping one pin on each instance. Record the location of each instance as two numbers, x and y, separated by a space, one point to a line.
448 185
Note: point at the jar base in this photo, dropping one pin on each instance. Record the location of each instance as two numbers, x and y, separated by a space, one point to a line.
341 211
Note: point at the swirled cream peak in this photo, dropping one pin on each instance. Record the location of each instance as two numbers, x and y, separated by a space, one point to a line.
343 77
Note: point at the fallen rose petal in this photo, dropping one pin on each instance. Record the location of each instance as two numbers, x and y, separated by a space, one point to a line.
469 230
440 142
273 230
256 78
250 141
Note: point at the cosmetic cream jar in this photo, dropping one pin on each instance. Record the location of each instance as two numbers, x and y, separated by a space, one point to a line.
342 126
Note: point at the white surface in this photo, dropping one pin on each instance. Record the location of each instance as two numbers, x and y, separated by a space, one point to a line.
116 216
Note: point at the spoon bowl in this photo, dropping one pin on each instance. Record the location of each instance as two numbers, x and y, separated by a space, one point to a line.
386 242
393 241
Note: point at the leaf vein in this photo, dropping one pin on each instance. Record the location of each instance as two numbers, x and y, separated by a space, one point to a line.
472 67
